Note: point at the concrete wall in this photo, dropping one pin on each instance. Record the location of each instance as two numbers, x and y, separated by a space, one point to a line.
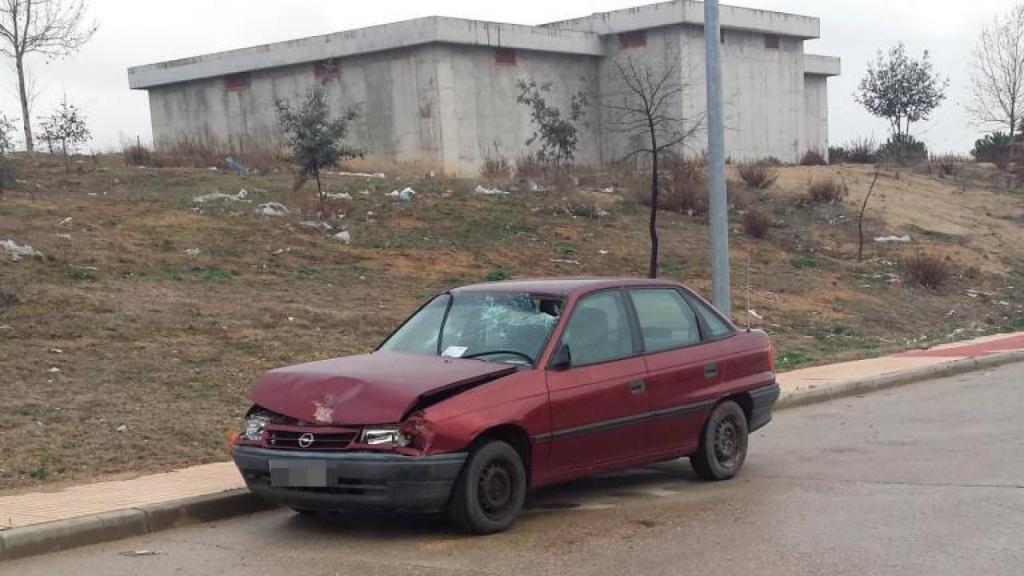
763 90
816 113
445 105
396 93
485 118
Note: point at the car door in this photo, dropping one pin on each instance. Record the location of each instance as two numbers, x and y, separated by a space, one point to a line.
598 402
682 369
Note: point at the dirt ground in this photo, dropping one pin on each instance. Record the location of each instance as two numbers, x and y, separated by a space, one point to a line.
129 346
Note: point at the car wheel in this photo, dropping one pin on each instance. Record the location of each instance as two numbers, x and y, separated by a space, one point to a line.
723 443
491 489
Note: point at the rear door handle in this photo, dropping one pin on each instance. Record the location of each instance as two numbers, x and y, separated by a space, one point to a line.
637 386
710 370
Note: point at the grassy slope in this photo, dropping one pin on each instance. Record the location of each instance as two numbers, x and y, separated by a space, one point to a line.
163 345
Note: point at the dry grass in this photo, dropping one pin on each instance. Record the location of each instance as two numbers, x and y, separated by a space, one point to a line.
812 158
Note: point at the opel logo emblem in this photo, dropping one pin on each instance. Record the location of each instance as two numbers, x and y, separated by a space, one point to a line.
306 440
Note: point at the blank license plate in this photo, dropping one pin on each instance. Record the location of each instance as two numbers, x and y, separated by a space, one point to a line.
298 473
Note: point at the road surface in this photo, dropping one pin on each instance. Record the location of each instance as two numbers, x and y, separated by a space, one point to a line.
922 479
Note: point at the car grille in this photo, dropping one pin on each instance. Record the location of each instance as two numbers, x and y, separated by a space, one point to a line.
309 438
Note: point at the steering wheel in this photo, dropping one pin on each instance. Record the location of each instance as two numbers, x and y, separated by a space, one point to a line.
525 356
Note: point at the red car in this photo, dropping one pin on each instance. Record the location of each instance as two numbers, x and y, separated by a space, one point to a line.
493 389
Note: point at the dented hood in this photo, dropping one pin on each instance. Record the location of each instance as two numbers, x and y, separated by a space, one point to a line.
376 388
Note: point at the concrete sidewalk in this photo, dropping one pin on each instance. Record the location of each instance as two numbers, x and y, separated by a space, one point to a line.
28 509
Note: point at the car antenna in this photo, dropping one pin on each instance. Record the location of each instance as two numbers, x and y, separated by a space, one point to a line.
748 289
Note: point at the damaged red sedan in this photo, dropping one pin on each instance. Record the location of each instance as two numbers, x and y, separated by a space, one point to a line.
493 389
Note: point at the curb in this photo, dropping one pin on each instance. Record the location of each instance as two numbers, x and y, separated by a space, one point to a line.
108 526
854 387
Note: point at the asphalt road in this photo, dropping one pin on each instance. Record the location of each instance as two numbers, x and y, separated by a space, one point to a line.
923 479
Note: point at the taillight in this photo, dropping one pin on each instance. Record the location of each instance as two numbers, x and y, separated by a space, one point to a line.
771 357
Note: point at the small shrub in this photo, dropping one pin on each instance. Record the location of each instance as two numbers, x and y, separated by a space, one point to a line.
756 224
947 165
686 188
861 151
7 174
826 191
137 155
927 270
903 150
497 275
496 168
812 158
838 155
994 147
759 174
529 167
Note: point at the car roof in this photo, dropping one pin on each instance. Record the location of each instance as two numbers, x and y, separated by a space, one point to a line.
562 286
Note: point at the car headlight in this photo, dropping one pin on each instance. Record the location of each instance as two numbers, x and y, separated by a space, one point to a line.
383 436
253 428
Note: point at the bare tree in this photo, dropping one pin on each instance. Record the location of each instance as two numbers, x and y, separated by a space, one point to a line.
52 28
648 110
997 75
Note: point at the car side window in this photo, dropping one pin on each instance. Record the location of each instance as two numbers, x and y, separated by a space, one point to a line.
666 320
598 330
717 327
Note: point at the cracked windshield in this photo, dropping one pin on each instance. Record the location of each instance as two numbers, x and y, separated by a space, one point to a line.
509 327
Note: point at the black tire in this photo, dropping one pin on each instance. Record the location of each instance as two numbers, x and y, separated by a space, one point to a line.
723 443
491 489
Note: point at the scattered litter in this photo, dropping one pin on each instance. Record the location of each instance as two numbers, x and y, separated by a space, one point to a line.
67 222
236 166
364 192
291 318
193 252
135 553
54 370
213 169
531 186
564 261
280 251
361 174
608 190
64 236
602 252
18 252
275 209
343 236
242 196
56 351
489 191
316 224
755 314
93 194
887 239
338 195
405 195
122 428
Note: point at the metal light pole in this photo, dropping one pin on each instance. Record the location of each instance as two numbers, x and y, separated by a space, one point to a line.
718 209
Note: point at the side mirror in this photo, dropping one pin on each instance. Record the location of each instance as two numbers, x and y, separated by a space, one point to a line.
562 358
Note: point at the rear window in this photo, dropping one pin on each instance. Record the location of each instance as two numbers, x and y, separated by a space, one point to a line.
717 327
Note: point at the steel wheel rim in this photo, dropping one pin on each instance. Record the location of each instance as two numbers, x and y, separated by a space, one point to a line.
496 490
727 442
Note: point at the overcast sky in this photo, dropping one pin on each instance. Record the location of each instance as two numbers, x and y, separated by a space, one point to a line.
134 32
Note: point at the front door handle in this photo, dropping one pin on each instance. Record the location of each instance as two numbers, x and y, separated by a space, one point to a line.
637 386
711 370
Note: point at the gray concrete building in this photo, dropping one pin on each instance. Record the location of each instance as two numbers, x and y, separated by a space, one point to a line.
442 91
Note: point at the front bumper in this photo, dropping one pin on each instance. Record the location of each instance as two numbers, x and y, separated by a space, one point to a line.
354 480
